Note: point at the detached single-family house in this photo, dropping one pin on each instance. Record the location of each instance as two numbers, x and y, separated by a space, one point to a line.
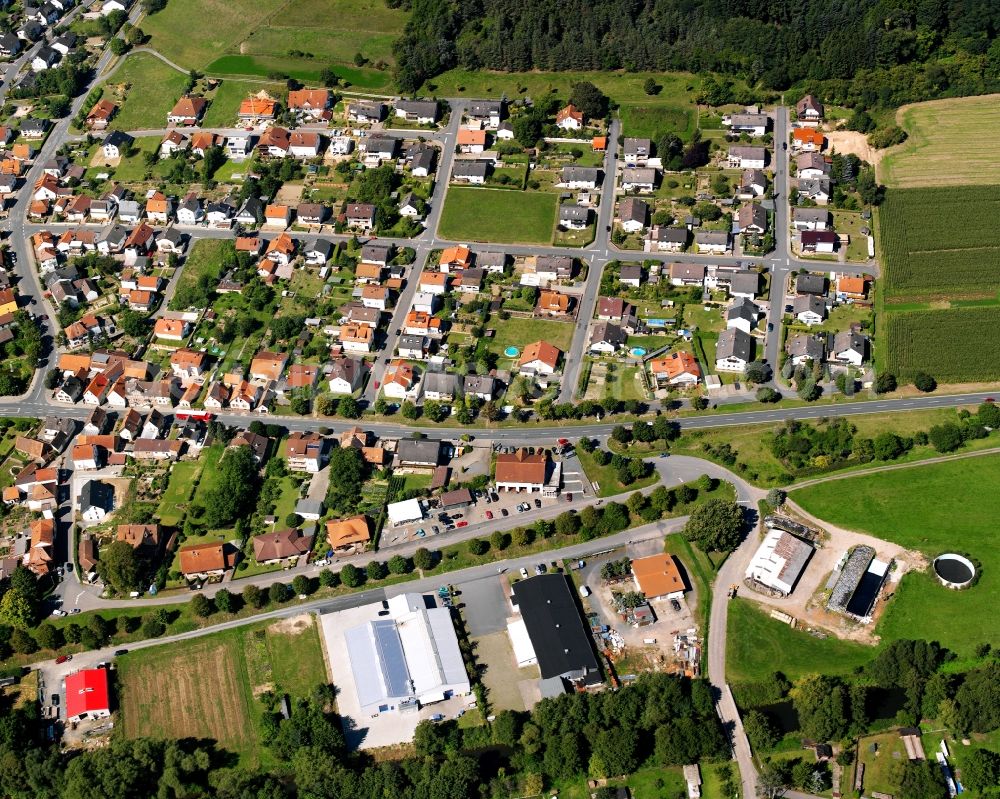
753 124
809 309
812 165
423 112
580 177
666 239
489 113
115 144
806 348
639 178
187 111
753 183
752 218
472 172
636 152
810 218
815 189
606 338
809 110
675 369
715 242
569 118
539 358
310 104
850 347
633 214
745 157
573 216
742 314
360 216
818 241
733 351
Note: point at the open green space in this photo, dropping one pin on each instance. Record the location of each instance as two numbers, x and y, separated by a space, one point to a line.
607 478
521 332
152 89
950 143
205 258
953 344
298 38
498 215
757 646
206 688
942 507
653 121
678 89
226 100
173 503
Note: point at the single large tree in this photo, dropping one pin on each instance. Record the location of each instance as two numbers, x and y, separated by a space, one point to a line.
590 100
716 526
119 567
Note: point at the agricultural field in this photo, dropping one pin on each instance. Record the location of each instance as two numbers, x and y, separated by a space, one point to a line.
504 216
940 507
213 682
952 344
299 38
940 244
950 143
150 89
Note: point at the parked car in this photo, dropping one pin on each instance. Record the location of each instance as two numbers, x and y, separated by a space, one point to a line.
675 605
462 524
584 591
524 573
489 514
538 503
569 497
504 512
63 658
119 652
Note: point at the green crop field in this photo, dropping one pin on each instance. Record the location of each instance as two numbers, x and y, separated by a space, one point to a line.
498 215
952 344
151 90
941 507
950 143
299 38
757 646
940 243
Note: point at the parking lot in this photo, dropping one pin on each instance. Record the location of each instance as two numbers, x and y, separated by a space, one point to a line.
490 511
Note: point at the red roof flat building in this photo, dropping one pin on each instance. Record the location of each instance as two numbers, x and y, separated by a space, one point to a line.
87 695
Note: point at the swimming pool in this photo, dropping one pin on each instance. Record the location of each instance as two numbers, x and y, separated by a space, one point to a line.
637 352
512 352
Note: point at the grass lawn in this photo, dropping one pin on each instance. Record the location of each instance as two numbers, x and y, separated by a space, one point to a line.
498 215
133 169
648 783
521 332
210 476
416 482
254 39
948 144
205 259
624 383
606 477
653 121
179 490
287 500
574 238
678 88
757 646
152 88
950 506
213 682
850 222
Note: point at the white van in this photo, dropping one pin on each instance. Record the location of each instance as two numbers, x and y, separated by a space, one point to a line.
584 590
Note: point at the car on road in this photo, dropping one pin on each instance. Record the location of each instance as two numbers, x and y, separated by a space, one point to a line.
489 514
504 512
74 610
569 497
119 652
63 658
770 327
524 573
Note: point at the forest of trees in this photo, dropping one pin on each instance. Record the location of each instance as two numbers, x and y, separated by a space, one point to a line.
869 52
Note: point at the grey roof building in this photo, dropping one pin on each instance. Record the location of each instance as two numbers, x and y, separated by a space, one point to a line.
424 452
805 347
810 283
734 343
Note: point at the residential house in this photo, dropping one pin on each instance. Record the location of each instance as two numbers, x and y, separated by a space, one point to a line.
440 386
715 242
115 144
187 111
280 249
401 381
812 165
539 358
633 214
345 375
808 140
310 104
357 337
318 252
815 189
810 283
573 216
809 110
745 157
676 369
423 112
277 216
146 539
521 471
639 179
188 364
580 177
753 183
851 347
189 211
809 309
348 536
666 239
606 338
687 274
312 214
851 287
268 366
753 124
46 58
482 386
413 347
819 241
422 159
201 561
489 113
304 144
101 115
733 351
38 558
366 111
473 172
630 275
810 218
171 329
742 314
274 547
251 213
257 110
752 218
305 452
157 449
552 303
569 118
159 208
435 283
379 150
471 141
274 143
418 453
360 216
375 297
804 348
96 500
636 151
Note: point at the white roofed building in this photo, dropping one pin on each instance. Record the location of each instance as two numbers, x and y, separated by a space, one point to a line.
779 561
